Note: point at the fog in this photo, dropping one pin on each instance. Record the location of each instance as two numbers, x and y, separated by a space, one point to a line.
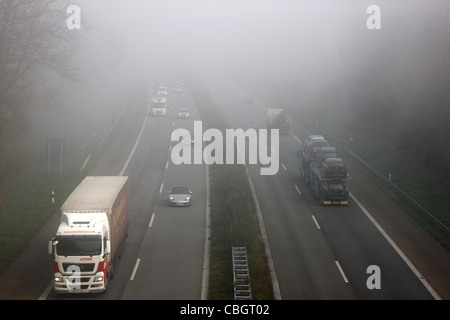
306 45
309 55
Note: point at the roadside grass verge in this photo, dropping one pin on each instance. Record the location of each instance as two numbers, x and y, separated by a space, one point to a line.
233 217
26 199
418 183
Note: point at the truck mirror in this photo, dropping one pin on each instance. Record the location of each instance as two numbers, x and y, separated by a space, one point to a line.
108 247
50 247
51 244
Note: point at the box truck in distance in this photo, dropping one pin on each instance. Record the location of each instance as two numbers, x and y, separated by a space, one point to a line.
90 237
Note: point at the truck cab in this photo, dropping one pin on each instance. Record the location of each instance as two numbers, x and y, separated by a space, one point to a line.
81 251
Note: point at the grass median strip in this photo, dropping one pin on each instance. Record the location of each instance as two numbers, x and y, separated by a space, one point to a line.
233 217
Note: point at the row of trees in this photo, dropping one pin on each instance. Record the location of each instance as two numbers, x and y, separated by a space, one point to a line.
34 43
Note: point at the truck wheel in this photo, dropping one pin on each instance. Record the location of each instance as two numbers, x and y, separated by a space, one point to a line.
108 278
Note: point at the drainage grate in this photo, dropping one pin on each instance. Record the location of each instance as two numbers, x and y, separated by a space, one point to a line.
241 274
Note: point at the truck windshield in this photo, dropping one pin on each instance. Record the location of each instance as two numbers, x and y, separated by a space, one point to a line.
159 105
79 245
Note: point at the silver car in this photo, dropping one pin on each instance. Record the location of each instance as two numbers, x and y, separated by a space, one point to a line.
180 196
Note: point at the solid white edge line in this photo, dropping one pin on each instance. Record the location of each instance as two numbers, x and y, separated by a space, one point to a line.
135 144
47 291
295 137
85 162
315 221
341 271
397 249
135 269
206 254
273 274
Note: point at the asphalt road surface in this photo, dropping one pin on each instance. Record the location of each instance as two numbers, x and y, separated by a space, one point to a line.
322 252
318 252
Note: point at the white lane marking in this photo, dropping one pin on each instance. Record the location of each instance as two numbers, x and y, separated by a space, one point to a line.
167 164
85 162
298 190
135 144
341 271
284 167
47 291
397 249
161 188
315 221
295 137
135 269
151 220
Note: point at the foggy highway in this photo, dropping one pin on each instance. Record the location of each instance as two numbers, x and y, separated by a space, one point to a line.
380 70
319 252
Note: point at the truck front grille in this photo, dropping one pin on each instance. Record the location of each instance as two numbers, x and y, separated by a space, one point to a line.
84 267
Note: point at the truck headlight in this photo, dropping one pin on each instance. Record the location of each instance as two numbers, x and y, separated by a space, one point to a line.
59 279
98 279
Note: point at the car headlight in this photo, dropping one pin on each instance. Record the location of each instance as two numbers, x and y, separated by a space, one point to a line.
188 197
171 198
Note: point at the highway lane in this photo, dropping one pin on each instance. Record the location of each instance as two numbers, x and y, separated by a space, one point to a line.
167 242
169 263
21 282
312 263
145 171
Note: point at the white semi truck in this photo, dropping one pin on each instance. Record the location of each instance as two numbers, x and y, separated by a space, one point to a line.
90 237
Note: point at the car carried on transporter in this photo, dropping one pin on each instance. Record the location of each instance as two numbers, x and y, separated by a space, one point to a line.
324 172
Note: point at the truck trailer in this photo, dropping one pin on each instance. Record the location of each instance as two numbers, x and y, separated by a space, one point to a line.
278 118
327 190
90 237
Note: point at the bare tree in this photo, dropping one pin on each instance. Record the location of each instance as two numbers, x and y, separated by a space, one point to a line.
34 42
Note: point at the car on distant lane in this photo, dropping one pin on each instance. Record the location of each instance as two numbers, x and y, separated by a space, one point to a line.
180 196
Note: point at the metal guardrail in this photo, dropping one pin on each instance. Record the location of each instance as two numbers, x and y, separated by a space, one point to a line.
404 194
425 212
345 144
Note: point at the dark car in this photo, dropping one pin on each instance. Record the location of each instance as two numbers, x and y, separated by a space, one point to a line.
333 168
315 145
325 152
333 190
180 196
